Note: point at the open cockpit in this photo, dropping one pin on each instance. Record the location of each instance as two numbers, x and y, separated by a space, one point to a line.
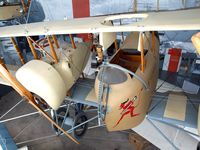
128 58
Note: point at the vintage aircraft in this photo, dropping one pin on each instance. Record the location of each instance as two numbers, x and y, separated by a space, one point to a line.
12 10
196 41
125 82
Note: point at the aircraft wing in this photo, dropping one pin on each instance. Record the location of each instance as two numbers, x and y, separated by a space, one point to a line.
153 21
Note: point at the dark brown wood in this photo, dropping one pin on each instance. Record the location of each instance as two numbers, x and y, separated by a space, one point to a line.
29 2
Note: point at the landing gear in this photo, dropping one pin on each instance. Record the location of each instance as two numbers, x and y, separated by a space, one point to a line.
80 131
40 101
69 122
58 117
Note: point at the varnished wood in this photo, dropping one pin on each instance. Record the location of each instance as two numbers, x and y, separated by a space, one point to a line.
25 93
29 2
142 52
72 41
41 48
24 6
55 41
52 50
32 48
116 45
17 50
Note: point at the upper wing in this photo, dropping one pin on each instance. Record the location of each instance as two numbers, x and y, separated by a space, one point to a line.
153 21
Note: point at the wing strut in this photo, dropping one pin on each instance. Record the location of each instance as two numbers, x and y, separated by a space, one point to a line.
17 50
52 50
4 73
72 41
55 41
32 48
141 49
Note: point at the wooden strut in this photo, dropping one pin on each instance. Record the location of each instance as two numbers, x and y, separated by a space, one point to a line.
116 45
53 52
28 3
72 41
142 52
32 48
41 48
24 6
17 50
55 41
4 73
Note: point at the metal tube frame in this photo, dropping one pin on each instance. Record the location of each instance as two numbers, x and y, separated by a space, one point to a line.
128 71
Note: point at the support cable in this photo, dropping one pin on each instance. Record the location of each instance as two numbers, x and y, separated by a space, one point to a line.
12 108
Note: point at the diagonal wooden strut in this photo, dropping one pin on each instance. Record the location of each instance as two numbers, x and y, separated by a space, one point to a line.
24 6
17 50
55 41
32 48
72 41
40 47
4 73
53 52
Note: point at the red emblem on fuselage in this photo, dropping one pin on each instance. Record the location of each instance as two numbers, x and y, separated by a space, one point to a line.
127 108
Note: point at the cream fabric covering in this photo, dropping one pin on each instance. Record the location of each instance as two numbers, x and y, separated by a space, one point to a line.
42 79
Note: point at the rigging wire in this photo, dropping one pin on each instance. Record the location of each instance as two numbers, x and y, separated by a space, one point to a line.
29 10
12 108
30 123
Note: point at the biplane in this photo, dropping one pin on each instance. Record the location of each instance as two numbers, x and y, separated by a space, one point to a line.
124 83
11 10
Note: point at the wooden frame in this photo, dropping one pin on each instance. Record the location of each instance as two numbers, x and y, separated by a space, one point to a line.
72 41
52 50
25 8
17 50
141 48
55 41
41 48
4 73
32 48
